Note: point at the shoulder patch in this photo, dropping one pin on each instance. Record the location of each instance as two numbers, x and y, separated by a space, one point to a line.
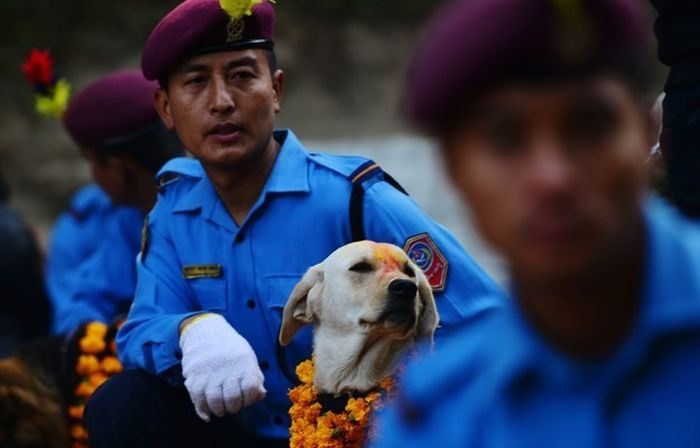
423 251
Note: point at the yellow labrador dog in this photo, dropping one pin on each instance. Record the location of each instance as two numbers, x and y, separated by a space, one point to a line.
368 302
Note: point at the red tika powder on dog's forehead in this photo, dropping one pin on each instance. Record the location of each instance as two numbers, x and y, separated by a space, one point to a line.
390 258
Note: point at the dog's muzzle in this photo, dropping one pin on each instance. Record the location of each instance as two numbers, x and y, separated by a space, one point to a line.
400 310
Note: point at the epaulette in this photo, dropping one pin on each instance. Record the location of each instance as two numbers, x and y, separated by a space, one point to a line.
369 170
343 165
175 168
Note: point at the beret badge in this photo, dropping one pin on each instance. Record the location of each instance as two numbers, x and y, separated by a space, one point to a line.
574 36
236 10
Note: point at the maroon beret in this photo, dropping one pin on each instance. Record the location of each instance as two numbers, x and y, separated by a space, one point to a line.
112 107
198 27
470 45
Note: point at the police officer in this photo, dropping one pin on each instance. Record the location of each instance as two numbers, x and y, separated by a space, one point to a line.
91 271
75 236
232 233
600 346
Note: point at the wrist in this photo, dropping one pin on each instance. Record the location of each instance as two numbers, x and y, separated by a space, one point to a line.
187 323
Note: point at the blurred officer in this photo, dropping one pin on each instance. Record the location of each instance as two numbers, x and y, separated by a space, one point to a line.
678 32
25 312
233 232
75 236
114 122
539 108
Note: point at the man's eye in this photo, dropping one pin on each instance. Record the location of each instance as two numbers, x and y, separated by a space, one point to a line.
197 80
362 267
242 75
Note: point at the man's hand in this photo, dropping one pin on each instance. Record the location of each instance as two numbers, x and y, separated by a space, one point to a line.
220 368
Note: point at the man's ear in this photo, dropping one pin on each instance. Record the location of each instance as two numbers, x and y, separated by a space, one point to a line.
297 312
162 104
278 79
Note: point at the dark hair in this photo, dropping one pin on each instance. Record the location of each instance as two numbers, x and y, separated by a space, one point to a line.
150 147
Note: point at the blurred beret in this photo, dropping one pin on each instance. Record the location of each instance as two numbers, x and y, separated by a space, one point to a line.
471 45
199 27
111 108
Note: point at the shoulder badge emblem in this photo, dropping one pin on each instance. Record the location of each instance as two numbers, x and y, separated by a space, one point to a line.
423 251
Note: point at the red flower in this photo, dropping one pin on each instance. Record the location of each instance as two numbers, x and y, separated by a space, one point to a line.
38 69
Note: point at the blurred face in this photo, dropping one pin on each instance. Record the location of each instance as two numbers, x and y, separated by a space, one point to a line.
553 174
223 105
109 174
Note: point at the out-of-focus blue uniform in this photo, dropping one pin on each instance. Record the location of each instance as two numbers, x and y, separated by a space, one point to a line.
75 236
197 259
497 384
91 271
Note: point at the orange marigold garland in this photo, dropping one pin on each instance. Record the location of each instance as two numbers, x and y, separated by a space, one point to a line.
98 361
313 427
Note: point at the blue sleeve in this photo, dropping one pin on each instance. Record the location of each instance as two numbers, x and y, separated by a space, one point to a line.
107 279
468 292
62 267
149 339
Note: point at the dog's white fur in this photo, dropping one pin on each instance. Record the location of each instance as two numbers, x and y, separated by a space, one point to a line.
346 298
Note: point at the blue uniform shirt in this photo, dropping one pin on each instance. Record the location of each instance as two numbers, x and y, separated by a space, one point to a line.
75 236
497 384
300 217
91 271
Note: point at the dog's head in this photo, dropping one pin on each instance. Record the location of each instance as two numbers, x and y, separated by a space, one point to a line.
363 288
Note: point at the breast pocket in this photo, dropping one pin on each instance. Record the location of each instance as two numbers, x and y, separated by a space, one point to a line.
279 287
210 293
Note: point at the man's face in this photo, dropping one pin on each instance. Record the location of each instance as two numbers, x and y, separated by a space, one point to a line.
109 174
223 105
553 174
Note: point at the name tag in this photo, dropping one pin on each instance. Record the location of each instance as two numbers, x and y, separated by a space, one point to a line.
201 271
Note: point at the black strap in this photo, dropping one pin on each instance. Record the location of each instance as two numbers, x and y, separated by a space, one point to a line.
364 172
281 357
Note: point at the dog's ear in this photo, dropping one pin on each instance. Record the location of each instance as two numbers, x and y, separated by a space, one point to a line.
428 319
297 311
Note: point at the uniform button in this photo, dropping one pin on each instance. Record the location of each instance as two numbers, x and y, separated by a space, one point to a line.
264 365
278 420
250 303
240 238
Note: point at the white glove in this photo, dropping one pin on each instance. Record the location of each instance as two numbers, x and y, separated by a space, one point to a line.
220 368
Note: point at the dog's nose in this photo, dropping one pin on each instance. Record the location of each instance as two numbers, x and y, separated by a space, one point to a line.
403 289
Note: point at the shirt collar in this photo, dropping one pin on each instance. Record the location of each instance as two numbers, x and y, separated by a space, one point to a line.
289 175
670 304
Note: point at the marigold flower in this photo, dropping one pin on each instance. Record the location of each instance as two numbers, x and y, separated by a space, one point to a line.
305 372
87 364
111 365
96 328
78 432
76 412
96 379
84 389
92 344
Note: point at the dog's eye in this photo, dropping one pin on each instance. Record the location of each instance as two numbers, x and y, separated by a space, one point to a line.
408 270
362 266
